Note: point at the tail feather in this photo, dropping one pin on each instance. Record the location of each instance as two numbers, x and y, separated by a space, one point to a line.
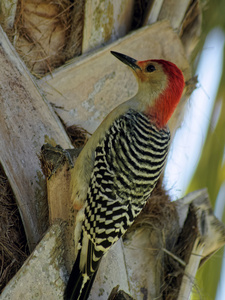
78 286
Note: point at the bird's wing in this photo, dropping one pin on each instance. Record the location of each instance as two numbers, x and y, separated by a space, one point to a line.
128 163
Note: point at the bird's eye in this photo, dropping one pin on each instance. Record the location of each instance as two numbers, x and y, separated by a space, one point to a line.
150 68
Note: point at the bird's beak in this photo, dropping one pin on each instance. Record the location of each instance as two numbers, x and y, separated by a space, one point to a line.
131 62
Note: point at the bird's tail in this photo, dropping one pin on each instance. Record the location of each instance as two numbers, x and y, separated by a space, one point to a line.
79 285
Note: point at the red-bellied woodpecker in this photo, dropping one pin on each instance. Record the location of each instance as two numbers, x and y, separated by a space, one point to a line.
120 165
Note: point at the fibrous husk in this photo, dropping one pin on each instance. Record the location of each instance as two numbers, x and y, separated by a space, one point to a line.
13 250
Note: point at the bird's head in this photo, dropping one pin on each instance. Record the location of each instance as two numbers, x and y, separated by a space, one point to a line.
161 84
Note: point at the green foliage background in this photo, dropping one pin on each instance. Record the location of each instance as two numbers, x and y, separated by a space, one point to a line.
210 171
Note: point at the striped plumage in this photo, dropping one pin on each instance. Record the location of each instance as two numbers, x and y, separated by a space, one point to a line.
128 162
119 167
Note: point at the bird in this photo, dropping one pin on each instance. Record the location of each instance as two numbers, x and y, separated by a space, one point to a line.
119 166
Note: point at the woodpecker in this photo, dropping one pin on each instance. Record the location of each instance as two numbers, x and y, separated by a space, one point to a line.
119 167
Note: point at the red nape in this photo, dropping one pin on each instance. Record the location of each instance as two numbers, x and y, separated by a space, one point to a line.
168 100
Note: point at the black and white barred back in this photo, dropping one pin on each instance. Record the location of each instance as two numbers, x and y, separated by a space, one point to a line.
128 163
